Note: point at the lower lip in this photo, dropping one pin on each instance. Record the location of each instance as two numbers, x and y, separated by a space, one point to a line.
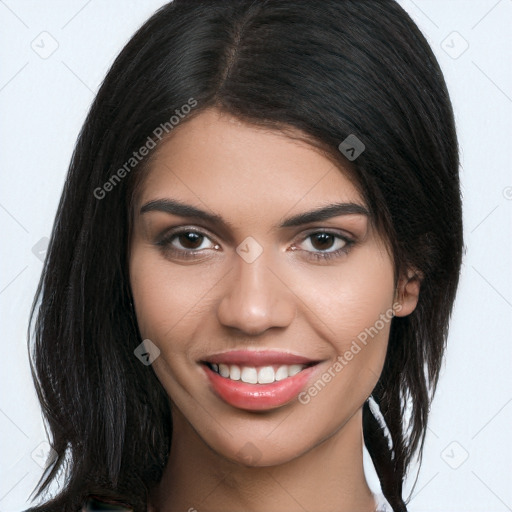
259 397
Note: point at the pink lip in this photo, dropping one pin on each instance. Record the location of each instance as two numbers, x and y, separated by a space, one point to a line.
257 358
258 397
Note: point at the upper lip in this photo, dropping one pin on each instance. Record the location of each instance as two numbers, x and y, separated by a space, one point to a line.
257 358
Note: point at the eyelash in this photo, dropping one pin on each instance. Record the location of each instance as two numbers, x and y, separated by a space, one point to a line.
168 250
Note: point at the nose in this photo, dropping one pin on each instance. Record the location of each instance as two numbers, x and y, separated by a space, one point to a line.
256 298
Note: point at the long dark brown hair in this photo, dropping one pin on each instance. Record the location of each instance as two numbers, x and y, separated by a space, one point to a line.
330 69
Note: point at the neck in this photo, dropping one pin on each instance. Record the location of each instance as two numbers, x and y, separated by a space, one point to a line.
329 477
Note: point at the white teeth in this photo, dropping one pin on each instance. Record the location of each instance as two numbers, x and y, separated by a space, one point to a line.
294 369
234 372
266 375
249 375
224 370
282 373
262 375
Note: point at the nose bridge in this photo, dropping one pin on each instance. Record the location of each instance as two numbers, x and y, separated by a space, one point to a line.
255 298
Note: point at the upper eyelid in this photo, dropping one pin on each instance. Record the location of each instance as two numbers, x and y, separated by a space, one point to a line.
184 229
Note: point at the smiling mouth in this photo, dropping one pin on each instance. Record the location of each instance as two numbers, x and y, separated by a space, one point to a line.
258 380
257 374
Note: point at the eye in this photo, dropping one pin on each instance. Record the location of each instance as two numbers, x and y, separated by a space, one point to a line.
190 243
186 243
324 245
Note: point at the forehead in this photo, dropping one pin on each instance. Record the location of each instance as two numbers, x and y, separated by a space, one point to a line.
220 160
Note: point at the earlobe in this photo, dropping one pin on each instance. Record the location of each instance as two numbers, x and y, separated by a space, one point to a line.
407 293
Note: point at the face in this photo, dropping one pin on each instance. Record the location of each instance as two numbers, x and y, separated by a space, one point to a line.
272 325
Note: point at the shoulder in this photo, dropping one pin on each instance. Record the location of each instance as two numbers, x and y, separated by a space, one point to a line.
95 505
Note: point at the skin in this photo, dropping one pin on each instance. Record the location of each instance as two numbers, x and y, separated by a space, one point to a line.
298 456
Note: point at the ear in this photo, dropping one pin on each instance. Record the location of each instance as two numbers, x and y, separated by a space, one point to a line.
407 293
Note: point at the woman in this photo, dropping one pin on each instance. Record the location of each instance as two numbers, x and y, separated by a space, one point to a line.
253 264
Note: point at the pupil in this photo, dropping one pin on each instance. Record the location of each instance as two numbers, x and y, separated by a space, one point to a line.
189 240
325 240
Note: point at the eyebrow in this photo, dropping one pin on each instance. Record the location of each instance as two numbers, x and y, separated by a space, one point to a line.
186 210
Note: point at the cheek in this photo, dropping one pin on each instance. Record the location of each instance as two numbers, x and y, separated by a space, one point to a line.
166 297
169 300
351 300
165 302
351 307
